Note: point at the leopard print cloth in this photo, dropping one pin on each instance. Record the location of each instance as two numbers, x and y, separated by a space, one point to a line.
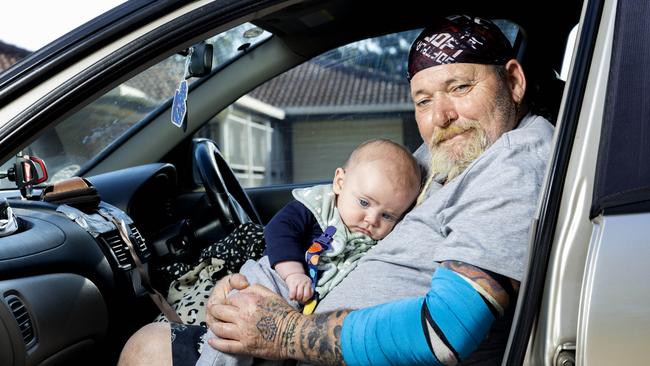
189 292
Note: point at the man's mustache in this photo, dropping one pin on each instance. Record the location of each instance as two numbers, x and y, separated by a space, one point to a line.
454 129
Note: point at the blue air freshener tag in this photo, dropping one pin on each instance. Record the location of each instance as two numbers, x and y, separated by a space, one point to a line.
179 106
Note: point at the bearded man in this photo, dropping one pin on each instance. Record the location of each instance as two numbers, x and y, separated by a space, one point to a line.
432 291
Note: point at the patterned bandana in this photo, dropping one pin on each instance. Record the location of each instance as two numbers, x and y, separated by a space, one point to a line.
459 39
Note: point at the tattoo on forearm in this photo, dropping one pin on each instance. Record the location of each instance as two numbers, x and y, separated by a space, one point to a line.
320 338
482 279
289 336
315 339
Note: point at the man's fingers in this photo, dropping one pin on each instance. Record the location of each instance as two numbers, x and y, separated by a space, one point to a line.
218 296
226 331
261 290
220 291
237 281
224 312
248 297
226 345
225 285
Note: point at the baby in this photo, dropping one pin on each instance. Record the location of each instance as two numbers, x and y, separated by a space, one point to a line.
367 197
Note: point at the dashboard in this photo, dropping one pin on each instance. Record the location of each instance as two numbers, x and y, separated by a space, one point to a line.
70 288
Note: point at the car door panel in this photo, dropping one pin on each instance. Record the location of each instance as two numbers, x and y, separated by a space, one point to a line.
616 293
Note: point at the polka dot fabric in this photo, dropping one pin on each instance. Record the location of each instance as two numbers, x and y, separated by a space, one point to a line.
192 285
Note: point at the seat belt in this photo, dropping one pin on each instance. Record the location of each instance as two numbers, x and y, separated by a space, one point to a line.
156 296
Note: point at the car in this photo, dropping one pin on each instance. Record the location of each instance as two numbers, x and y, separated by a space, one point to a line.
184 119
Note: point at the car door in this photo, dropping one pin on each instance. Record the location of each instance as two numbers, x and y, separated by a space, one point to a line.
586 299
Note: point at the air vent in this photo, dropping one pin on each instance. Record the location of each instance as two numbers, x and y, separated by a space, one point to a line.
169 207
139 243
118 248
22 318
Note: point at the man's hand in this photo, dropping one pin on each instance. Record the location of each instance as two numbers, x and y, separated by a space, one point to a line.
256 322
299 287
259 323
220 292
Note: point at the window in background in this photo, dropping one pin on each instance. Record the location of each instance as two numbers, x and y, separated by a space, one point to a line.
301 125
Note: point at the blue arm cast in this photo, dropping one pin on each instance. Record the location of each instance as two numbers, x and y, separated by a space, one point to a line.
451 319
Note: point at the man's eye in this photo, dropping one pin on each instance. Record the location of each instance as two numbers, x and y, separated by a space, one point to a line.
422 102
461 88
363 202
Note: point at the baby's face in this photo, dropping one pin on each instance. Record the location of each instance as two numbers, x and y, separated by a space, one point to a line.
368 202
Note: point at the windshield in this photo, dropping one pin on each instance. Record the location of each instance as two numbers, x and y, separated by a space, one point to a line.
80 138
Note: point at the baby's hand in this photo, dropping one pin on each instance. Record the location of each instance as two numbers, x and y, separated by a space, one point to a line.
299 287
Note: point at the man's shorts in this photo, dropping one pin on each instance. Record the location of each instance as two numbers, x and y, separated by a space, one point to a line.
187 343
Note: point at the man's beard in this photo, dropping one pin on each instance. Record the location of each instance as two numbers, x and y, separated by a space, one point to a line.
450 160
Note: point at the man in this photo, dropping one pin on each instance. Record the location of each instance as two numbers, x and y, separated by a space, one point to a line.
448 273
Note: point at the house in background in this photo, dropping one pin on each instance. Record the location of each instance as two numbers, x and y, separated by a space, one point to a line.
315 102
319 101
10 54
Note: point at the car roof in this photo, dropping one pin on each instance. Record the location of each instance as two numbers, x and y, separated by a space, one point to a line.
312 26
307 28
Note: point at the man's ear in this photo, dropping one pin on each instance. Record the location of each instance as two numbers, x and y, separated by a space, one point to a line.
337 183
516 80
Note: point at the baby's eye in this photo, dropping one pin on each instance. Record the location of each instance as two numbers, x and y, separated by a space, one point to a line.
389 217
363 202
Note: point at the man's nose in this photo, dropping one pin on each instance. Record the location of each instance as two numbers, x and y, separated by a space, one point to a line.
443 112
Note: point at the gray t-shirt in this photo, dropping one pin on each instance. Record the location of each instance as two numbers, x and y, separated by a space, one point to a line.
482 217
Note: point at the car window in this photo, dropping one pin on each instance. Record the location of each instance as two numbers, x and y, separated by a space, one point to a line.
301 125
83 136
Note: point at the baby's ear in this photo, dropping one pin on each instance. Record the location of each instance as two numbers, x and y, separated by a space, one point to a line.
339 178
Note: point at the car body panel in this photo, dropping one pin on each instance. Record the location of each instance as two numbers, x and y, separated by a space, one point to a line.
615 294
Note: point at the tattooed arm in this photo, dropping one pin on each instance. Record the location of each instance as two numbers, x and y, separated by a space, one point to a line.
492 284
442 328
258 322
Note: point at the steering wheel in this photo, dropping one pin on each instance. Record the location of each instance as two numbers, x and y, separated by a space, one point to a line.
225 194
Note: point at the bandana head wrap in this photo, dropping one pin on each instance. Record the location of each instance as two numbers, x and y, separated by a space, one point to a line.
459 39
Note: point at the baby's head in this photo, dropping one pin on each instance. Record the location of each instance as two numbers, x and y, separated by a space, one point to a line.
376 186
